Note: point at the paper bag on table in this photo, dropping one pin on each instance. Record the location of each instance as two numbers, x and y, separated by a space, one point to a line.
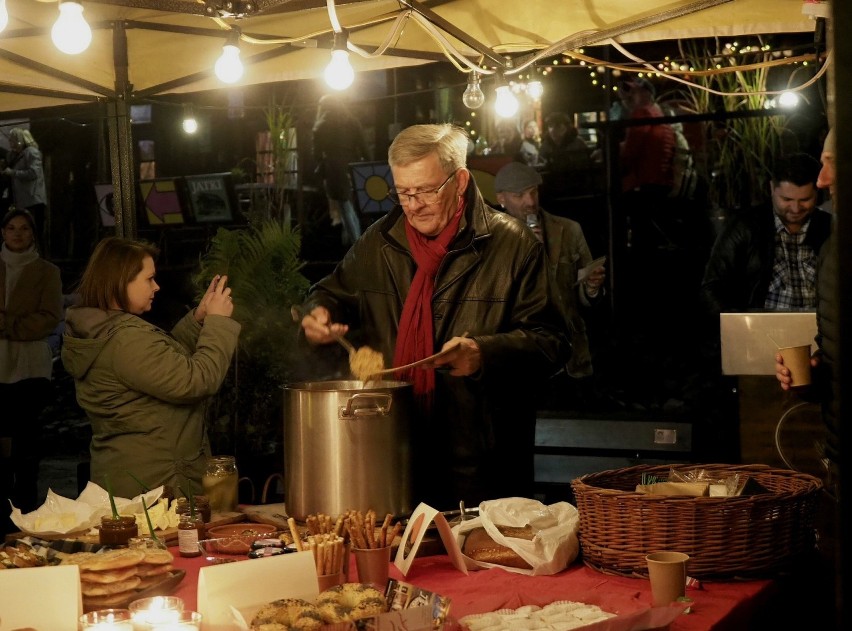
553 543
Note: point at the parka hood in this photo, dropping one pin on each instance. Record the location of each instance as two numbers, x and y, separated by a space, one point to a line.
87 332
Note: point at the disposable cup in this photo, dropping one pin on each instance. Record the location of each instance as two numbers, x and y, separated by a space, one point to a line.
325 581
667 571
372 565
797 359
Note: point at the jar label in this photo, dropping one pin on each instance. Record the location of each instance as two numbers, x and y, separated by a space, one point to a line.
188 541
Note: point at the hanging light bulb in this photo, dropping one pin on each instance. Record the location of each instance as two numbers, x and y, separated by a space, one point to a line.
190 124
788 99
506 104
473 96
339 74
4 15
71 34
535 89
228 67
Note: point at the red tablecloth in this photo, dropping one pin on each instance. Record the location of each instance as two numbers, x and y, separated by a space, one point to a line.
716 605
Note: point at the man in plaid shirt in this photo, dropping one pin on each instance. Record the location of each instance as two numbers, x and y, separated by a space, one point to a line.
768 260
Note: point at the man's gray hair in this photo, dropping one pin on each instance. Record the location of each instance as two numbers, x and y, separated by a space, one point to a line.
418 141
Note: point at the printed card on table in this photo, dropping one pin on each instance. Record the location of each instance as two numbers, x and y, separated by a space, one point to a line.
24 593
419 521
246 586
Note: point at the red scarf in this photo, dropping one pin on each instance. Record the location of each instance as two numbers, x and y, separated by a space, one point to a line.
415 339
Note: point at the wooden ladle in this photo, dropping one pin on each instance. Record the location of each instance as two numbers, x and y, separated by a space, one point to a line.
296 314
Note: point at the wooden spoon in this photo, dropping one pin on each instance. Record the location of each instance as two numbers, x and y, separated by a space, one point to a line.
419 362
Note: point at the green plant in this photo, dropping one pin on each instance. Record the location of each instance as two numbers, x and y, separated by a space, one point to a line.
263 268
738 151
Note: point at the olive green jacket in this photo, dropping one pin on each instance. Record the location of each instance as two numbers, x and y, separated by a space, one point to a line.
144 392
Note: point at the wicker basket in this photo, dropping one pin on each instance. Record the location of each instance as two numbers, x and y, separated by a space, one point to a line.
725 537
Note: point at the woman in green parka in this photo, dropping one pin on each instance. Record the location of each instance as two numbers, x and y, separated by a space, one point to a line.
144 390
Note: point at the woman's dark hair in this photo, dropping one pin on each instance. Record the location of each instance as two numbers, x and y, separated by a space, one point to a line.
15 212
114 263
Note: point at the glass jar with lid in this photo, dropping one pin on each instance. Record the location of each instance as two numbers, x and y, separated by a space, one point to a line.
117 531
202 506
220 482
191 530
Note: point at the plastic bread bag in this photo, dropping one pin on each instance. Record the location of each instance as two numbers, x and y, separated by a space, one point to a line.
550 545
725 487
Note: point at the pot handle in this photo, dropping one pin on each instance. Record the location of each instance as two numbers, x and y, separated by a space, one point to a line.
367 404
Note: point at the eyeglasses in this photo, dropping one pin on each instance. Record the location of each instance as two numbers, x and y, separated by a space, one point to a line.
424 197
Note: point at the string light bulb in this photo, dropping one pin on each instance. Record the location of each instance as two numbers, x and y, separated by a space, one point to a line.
190 123
70 33
4 15
506 104
473 96
229 67
339 74
535 90
788 99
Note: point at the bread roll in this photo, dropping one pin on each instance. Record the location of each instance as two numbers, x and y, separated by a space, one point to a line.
479 546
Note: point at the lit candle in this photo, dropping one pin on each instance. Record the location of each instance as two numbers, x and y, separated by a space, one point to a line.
156 612
106 620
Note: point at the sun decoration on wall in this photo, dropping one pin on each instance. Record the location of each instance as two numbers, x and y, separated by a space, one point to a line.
372 181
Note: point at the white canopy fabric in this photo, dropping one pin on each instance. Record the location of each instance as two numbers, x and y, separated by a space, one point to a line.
171 45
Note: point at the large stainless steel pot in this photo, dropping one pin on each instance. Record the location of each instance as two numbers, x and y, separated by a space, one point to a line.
346 446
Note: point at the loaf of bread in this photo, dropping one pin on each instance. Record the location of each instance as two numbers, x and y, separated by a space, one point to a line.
479 546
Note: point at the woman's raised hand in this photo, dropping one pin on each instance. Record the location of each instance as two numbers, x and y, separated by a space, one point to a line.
216 300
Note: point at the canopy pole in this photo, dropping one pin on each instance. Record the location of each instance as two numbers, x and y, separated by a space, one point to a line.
121 140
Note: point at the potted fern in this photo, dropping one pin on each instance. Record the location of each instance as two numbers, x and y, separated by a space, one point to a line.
264 271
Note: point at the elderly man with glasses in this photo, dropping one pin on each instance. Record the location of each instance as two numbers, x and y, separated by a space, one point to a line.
443 270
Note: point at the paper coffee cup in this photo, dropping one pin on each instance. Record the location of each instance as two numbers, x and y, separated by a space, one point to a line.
797 359
667 571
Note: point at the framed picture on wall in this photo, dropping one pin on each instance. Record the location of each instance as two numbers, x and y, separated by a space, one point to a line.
211 198
160 202
106 204
371 182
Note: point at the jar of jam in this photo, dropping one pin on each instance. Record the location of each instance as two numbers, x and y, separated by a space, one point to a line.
190 532
220 483
117 531
202 507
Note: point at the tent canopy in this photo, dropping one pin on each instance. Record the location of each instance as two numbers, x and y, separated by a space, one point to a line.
147 47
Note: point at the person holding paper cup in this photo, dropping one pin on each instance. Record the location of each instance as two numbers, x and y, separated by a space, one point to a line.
577 281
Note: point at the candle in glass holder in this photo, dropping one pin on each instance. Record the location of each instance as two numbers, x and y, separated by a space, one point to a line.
185 621
153 613
106 620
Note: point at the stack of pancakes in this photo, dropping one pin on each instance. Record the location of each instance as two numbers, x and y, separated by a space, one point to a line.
114 577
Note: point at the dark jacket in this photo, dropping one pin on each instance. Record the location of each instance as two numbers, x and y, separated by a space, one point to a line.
739 271
567 253
477 441
828 338
336 144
